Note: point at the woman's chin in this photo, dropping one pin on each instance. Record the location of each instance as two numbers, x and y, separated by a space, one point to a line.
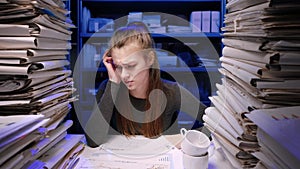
130 86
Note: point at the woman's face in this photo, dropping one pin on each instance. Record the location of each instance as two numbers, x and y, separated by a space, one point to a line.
132 64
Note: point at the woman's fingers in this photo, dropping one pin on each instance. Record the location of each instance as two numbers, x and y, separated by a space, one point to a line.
109 64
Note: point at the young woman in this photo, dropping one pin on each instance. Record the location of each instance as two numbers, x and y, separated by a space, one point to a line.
135 100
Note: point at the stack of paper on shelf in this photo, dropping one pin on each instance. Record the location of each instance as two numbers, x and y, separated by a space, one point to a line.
261 68
153 21
35 83
178 29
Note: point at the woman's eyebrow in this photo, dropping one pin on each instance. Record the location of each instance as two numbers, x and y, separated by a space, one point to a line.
129 62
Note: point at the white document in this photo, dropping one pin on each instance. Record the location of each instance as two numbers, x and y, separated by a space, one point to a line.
283 45
45 20
242 44
206 21
19 61
278 84
215 21
51 81
9 61
245 55
242 156
136 147
280 124
62 86
238 105
50 73
94 158
242 144
11 84
32 30
58 151
289 58
280 156
269 163
57 118
70 160
249 101
36 66
281 58
51 98
14 83
230 116
28 53
196 21
10 124
215 115
255 92
235 163
234 103
11 163
33 43
19 145
54 109
252 68
49 65
242 74
236 5
22 132
44 102
102 160
249 88
54 11
28 157
51 136
24 15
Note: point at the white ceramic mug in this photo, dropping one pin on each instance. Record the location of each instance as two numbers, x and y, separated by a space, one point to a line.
195 143
192 162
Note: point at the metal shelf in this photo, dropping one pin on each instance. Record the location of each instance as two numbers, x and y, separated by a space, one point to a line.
168 69
158 35
184 1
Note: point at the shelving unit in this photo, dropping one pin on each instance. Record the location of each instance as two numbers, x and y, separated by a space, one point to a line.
115 9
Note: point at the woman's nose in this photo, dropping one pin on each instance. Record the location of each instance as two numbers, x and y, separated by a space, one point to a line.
124 74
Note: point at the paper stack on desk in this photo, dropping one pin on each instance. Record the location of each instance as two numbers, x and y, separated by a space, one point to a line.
35 83
261 68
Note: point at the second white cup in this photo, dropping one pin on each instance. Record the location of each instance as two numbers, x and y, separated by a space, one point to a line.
195 143
191 162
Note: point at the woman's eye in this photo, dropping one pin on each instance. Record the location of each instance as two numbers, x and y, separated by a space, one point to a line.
118 67
130 66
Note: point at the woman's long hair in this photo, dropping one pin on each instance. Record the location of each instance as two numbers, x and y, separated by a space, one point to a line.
138 32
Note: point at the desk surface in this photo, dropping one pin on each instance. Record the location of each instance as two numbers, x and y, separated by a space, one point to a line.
100 158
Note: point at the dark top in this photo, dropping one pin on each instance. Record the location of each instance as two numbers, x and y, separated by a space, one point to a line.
178 99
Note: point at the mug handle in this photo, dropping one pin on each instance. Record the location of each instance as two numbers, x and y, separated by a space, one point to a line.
211 149
183 131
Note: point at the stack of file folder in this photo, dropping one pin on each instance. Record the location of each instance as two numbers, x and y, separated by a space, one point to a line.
261 68
277 136
35 85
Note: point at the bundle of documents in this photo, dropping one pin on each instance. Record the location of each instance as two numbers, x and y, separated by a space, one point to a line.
35 84
277 136
34 42
178 29
31 142
261 68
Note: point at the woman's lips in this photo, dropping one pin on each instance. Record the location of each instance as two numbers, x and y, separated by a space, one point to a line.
129 82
